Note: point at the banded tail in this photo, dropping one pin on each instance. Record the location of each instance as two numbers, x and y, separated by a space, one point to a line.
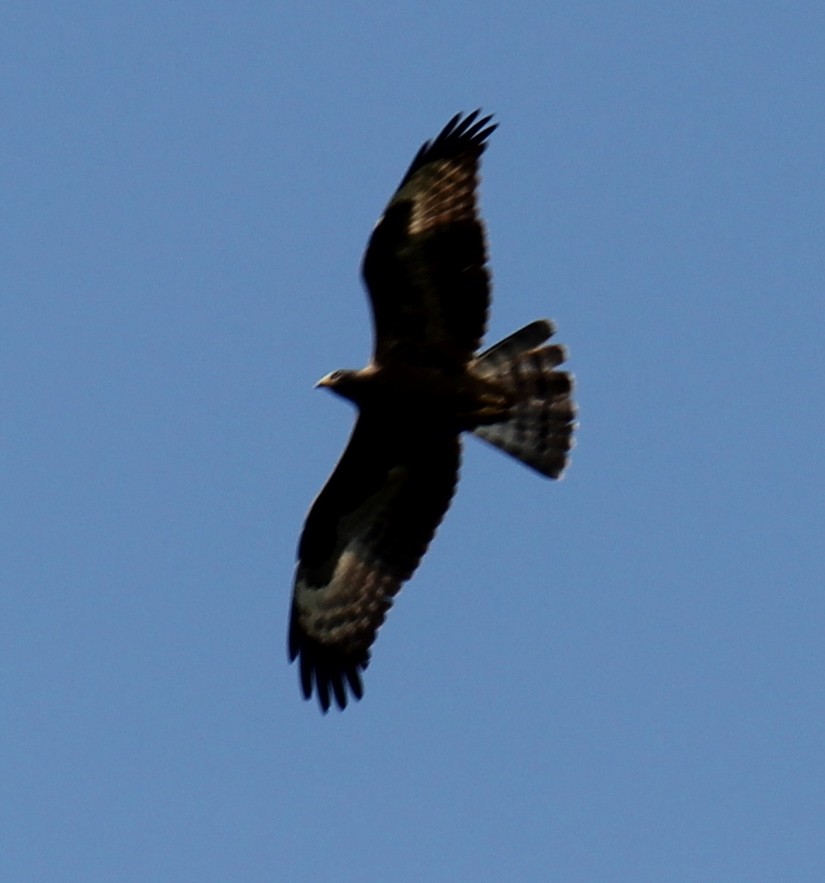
539 427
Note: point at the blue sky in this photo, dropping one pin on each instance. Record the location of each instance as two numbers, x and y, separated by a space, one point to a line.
616 677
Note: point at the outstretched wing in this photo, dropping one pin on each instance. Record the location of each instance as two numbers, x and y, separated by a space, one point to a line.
364 536
425 263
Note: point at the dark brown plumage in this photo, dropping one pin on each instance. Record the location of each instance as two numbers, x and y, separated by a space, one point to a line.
425 270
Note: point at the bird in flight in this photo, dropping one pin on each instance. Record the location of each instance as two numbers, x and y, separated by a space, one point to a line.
425 269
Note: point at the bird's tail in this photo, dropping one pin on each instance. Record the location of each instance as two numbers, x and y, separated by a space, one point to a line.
538 429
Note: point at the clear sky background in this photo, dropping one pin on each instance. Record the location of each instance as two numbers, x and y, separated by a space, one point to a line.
616 677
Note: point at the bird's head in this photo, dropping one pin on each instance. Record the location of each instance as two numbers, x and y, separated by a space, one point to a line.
343 382
357 386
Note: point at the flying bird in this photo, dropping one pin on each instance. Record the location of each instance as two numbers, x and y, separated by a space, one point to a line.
425 269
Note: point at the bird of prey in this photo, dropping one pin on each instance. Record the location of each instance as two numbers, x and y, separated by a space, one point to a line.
425 269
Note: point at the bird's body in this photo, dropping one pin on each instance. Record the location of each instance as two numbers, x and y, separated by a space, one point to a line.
425 269
421 394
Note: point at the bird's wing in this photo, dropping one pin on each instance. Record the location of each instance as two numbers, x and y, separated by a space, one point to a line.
364 536
425 265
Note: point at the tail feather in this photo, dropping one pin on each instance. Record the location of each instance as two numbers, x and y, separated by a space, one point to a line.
527 338
538 429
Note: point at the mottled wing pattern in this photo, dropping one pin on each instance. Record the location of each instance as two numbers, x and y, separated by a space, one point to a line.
425 265
539 428
364 536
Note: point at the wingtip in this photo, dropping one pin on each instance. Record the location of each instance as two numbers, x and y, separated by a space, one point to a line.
327 673
464 132
471 128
